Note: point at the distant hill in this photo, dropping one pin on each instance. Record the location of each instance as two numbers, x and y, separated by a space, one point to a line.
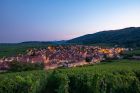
128 37
44 42
35 43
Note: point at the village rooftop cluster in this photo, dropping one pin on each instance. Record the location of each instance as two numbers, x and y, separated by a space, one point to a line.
65 56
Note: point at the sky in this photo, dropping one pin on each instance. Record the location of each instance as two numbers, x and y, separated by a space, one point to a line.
49 20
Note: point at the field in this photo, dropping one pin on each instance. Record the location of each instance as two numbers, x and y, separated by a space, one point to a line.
119 76
116 65
134 52
14 49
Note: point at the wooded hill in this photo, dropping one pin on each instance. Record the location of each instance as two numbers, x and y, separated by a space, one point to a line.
128 37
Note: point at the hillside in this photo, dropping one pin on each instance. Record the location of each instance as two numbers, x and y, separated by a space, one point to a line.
129 37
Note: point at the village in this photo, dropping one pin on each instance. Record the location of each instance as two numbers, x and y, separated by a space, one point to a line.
65 56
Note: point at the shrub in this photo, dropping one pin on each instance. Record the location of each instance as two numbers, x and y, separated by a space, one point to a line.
88 59
24 66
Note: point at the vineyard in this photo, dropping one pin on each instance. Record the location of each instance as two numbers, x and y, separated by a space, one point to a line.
132 53
120 76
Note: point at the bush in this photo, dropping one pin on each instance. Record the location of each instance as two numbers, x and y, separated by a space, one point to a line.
88 59
24 66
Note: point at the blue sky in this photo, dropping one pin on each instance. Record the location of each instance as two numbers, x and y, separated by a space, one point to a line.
44 20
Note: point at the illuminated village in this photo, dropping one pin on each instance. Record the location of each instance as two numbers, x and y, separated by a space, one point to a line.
65 56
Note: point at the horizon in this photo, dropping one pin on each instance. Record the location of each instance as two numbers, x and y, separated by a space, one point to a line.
53 20
64 40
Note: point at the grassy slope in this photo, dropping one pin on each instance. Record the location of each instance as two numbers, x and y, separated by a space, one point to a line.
117 65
